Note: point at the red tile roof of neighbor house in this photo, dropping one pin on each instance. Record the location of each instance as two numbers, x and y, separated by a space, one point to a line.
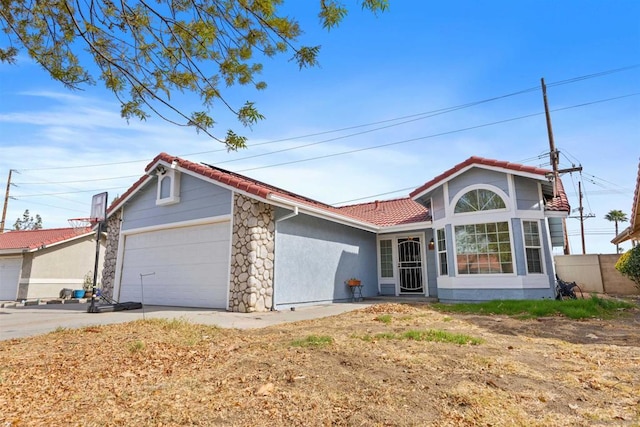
379 213
34 239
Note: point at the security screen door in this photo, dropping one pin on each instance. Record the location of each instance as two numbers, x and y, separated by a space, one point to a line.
410 265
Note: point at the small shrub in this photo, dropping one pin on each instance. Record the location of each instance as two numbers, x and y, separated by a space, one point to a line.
441 336
629 265
313 341
136 346
386 336
384 318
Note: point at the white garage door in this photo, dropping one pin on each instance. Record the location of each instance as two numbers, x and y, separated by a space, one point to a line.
9 277
184 266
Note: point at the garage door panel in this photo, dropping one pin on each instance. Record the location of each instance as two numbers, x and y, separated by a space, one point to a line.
189 264
9 278
174 237
196 255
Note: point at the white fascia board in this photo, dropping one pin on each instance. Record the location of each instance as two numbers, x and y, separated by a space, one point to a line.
556 214
324 214
416 226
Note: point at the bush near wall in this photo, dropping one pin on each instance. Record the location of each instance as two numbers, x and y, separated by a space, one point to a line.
629 265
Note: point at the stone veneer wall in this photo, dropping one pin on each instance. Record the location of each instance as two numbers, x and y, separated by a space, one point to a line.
252 256
111 254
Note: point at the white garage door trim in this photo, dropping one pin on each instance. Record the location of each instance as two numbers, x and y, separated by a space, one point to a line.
191 262
9 277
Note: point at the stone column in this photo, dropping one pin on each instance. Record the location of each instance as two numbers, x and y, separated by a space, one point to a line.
252 256
111 254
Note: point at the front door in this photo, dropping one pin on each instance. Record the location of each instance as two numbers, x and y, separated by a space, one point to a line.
410 265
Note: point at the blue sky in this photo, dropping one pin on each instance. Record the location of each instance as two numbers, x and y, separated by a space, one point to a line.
380 80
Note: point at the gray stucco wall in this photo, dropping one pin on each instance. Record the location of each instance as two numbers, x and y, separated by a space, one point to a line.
518 247
432 267
477 176
527 195
314 257
198 199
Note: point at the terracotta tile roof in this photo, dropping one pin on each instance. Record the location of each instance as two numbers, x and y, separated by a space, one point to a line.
560 203
380 213
34 239
235 180
386 213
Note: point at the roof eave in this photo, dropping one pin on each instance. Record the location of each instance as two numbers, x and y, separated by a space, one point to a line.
345 220
406 227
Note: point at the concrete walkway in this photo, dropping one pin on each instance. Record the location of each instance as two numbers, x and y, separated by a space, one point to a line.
25 321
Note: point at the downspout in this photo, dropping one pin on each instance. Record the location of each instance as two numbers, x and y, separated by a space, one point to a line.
287 216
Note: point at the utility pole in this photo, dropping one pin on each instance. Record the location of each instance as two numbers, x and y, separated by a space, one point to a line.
554 157
553 153
582 217
6 202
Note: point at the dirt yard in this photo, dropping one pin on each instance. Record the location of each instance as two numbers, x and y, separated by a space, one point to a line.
362 372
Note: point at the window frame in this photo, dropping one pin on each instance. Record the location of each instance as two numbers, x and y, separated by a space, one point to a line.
174 187
539 247
499 242
441 251
380 260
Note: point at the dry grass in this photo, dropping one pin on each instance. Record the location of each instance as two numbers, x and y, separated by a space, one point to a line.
321 373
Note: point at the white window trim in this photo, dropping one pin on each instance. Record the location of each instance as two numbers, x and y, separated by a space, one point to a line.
513 257
540 247
438 251
505 198
393 270
174 190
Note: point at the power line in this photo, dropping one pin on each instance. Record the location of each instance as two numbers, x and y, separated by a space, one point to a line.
381 145
435 135
434 112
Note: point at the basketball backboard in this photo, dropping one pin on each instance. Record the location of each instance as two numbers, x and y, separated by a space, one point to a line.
99 207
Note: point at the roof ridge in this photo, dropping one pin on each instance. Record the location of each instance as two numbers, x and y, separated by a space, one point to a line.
264 184
374 201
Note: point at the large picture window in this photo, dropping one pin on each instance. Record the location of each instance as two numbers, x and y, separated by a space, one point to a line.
479 200
532 246
484 248
442 252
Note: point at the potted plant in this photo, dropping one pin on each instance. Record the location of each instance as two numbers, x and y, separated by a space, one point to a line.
87 284
353 282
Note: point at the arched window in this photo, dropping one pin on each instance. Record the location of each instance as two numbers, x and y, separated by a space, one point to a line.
479 200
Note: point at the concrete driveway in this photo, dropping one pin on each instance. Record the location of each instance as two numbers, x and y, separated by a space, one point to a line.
25 321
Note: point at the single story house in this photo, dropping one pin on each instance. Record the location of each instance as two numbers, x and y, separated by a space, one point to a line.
194 235
39 263
632 232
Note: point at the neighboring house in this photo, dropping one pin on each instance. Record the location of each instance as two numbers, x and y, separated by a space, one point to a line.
632 232
39 263
194 235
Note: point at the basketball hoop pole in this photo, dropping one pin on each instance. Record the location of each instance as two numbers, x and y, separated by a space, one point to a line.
99 213
92 307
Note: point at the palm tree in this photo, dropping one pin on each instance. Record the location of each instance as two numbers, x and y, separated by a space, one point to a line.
616 216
